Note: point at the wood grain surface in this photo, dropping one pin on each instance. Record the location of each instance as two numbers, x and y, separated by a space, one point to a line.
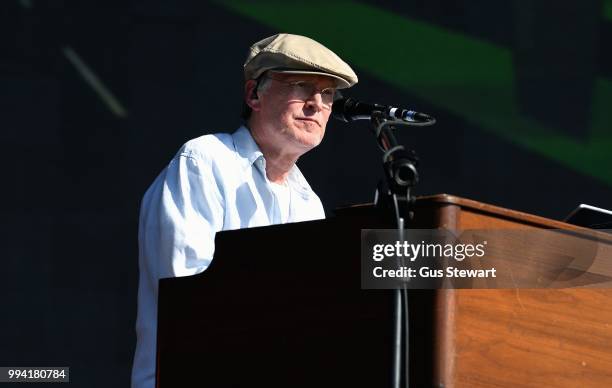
522 337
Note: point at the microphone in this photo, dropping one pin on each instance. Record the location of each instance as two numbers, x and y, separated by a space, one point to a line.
347 109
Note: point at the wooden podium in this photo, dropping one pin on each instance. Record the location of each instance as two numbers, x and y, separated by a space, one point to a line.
282 306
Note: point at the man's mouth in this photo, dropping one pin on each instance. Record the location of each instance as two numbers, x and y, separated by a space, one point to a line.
308 119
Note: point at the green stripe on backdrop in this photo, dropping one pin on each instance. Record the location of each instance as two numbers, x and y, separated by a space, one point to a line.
607 10
458 73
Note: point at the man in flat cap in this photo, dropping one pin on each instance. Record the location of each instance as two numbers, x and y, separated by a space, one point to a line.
246 179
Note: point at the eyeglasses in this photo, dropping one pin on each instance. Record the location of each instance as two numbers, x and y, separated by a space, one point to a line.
302 90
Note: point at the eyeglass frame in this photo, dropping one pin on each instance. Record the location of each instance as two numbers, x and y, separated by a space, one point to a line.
313 89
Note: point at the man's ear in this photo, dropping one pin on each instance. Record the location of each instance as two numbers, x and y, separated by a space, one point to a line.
250 95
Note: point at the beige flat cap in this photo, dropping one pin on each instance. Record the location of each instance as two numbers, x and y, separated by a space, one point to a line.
296 54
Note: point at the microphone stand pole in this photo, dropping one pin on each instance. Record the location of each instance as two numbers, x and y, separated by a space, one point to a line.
401 176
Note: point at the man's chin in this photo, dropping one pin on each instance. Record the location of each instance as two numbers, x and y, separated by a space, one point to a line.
309 140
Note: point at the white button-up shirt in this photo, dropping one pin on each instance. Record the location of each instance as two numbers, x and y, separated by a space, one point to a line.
215 182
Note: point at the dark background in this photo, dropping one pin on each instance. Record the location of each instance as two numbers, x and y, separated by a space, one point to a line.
78 157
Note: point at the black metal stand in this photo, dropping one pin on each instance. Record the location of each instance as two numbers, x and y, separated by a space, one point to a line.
400 166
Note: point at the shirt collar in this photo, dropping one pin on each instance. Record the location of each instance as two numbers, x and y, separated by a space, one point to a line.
246 146
249 151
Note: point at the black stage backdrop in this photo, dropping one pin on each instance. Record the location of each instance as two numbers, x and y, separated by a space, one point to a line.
97 96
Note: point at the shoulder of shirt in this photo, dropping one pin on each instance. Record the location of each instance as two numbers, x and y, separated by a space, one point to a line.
208 147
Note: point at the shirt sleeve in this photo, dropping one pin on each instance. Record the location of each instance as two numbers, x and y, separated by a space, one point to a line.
180 215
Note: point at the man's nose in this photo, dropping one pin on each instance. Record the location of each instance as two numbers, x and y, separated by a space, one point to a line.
315 100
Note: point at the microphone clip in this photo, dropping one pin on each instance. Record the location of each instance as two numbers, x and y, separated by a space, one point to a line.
399 164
